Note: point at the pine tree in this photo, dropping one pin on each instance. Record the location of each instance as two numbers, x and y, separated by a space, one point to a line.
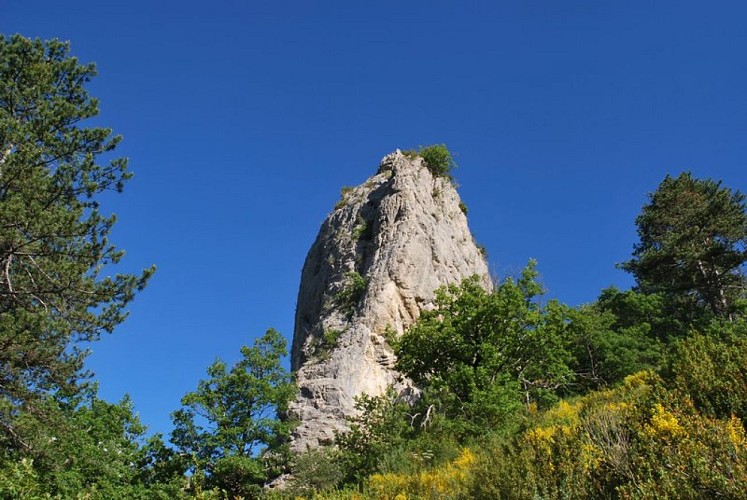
692 249
54 242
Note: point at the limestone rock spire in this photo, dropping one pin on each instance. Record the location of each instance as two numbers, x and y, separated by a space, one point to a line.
379 256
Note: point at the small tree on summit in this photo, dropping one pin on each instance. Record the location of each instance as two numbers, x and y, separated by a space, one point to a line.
438 159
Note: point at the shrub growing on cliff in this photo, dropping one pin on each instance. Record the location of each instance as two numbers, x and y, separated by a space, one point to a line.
438 159
351 292
324 345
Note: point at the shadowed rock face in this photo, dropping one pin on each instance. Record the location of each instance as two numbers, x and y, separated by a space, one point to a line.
375 264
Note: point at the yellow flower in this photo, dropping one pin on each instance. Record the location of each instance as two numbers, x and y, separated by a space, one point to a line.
638 379
465 459
447 480
564 411
540 435
663 424
736 432
591 457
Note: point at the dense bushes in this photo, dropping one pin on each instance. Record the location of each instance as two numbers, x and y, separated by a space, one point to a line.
480 354
711 370
529 400
639 440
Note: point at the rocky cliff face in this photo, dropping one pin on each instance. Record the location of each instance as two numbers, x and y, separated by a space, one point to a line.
375 264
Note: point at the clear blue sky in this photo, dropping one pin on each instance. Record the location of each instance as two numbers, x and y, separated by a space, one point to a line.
242 120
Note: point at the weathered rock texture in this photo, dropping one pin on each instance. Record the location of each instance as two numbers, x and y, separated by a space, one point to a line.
403 232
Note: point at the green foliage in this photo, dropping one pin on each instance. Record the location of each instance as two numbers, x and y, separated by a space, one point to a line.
161 468
324 345
438 159
481 248
479 353
693 235
82 445
330 338
238 476
379 427
111 430
57 437
711 369
352 291
423 449
362 230
391 336
608 347
463 207
54 241
232 417
19 479
649 313
314 471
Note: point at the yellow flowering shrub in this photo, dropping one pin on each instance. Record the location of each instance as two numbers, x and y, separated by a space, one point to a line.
663 424
638 440
447 481
564 412
591 457
639 379
684 454
736 432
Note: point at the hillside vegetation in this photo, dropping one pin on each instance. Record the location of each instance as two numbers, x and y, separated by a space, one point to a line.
640 394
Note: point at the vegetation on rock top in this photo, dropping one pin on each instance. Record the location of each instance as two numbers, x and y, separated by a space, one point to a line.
437 159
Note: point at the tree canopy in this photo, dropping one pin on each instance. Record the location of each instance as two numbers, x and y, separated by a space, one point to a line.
693 245
233 417
479 349
54 240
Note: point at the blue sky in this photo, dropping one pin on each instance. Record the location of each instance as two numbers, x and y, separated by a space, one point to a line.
243 119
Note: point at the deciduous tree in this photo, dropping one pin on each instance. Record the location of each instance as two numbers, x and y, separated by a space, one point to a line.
478 350
232 417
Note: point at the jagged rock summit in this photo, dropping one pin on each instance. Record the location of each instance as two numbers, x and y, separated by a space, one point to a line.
378 258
